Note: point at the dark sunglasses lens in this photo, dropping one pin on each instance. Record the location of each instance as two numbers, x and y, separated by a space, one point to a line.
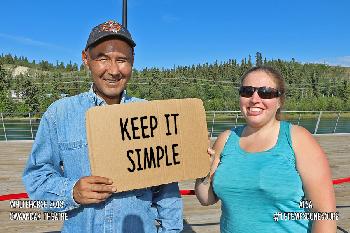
246 91
263 92
267 92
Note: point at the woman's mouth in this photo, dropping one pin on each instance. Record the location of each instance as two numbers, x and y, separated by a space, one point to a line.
254 111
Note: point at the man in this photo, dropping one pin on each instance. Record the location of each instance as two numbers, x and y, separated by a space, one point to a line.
59 168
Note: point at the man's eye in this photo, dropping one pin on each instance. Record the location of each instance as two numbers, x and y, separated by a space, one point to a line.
121 60
101 59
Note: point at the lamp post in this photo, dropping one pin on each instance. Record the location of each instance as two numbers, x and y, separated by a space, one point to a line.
125 13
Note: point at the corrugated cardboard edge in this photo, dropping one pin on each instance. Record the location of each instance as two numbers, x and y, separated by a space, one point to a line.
201 113
88 135
202 118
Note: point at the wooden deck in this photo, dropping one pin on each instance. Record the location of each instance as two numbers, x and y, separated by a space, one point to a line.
197 218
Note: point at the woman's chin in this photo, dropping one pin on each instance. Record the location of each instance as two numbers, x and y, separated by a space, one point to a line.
256 121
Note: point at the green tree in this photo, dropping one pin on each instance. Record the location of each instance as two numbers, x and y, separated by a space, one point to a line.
258 59
6 103
30 93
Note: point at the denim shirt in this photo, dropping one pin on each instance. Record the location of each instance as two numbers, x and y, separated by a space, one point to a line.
59 158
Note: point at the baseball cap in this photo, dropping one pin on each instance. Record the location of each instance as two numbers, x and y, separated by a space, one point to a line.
110 28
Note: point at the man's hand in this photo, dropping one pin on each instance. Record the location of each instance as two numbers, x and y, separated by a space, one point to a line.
92 189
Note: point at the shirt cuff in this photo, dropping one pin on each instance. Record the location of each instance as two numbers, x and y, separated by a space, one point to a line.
70 203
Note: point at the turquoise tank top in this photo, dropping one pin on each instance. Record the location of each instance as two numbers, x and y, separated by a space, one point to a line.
253 187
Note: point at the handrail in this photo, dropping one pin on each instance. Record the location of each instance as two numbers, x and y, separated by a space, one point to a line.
210 111
3 126
18 126
332 124
318 122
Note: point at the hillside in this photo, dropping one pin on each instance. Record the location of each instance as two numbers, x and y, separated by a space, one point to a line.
309 86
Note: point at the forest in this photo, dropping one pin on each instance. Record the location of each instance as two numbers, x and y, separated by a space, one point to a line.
310 86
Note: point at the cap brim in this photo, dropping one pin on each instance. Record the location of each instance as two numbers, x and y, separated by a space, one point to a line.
112 35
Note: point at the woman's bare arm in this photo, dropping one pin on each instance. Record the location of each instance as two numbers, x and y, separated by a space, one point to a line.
203 186
313 167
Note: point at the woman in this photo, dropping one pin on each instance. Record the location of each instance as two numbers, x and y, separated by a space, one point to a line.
268 167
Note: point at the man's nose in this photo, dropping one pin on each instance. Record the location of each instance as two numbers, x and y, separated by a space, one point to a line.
114 68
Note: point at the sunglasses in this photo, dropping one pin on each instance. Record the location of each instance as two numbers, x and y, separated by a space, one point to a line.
263 92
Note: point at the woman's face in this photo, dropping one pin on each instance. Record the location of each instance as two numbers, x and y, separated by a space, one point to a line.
257 111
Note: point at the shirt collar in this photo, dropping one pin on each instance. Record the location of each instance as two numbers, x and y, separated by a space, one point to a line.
99 101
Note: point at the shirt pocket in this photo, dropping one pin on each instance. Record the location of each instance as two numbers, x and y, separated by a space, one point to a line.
144 198
143 194
75 158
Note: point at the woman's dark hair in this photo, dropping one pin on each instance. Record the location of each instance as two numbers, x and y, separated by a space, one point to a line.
277 78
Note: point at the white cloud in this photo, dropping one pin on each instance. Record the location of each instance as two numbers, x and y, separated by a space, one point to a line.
31 42
345 60
336 61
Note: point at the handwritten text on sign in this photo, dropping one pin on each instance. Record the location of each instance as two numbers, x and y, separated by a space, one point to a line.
144 127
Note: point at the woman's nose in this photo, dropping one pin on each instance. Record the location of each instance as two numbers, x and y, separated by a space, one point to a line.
255 97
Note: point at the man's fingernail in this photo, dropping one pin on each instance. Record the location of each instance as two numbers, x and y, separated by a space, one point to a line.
114 189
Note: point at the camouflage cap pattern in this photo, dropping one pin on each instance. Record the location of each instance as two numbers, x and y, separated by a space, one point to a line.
109 29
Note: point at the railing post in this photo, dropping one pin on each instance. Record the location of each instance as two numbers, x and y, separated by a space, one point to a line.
336 123
212 126
236 121
299 118
318 122
31 127
3 126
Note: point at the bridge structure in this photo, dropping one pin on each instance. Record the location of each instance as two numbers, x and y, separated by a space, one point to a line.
197 218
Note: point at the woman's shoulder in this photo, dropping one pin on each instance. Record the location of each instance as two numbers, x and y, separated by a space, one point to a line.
299 133
303 140
296 132
224 135
221 141
233 132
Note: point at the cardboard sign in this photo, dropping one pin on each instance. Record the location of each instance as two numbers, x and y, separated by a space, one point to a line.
145 144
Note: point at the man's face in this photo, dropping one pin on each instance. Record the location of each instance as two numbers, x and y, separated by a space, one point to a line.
110 63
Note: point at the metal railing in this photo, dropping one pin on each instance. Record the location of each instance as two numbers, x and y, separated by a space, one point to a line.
19 126
24 126
317 122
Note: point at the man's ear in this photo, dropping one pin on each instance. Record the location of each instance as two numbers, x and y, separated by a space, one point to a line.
84 57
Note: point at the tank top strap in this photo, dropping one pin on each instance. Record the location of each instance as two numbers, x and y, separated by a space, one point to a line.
284 143
232 140
288 128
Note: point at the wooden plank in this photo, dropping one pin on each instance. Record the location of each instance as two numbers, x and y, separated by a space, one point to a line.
13 156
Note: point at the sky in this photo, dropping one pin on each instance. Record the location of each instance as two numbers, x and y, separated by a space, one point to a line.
169 33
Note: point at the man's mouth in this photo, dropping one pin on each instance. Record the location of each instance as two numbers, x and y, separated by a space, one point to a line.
112 81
